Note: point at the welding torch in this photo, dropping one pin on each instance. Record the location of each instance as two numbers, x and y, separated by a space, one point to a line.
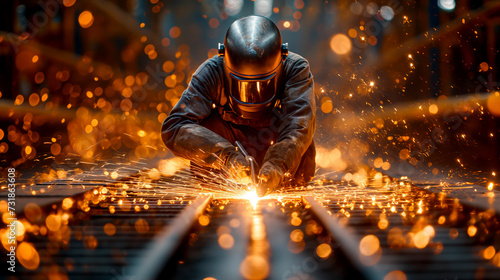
254 166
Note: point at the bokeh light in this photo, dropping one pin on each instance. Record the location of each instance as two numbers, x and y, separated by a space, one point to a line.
340 44
86 19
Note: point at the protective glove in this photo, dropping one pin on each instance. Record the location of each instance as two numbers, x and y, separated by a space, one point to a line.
270 178
238 167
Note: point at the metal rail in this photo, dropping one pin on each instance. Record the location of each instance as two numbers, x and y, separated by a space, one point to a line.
448 252
153 251
349 242
164 245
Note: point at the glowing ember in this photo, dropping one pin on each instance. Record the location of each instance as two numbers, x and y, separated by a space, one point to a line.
369 245
226 241
109 229
67 203
254 267
421 240
323 250
204 220
395 275
340 44
86 19
28 256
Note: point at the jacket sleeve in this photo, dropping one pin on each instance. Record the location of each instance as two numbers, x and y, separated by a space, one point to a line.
298 109
181 130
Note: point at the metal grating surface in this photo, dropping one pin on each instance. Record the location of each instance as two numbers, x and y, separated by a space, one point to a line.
396 214
82 248
419 234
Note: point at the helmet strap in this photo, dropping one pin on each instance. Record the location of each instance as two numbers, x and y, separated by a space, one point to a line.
284 50
221 49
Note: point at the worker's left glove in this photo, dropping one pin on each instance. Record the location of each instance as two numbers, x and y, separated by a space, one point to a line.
238 167
270 178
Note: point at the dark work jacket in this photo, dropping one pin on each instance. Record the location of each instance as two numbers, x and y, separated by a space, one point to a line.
185 137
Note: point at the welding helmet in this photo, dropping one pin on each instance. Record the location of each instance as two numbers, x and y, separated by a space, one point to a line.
253 56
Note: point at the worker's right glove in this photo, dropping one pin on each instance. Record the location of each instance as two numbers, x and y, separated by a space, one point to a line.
238 167
270 177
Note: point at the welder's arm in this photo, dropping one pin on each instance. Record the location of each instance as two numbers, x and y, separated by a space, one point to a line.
296 131
181 131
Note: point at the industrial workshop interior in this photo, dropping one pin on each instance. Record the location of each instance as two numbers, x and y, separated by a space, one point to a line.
249 139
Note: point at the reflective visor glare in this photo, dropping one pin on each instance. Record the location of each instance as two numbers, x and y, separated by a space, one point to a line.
253 91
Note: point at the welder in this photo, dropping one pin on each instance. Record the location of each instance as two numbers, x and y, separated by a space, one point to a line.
256 92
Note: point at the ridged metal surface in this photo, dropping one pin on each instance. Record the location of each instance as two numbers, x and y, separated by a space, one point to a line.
451 253
71 251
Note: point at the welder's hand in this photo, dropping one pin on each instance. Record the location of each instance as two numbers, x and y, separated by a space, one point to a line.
238 168
270 177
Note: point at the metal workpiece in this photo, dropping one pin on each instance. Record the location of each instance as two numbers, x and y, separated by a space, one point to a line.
402 229
161 249
181 227
349 242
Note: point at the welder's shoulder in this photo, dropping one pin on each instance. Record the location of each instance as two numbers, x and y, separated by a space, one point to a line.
211 67
296 61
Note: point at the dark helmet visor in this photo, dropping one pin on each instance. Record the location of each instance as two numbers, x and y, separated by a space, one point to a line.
253 90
